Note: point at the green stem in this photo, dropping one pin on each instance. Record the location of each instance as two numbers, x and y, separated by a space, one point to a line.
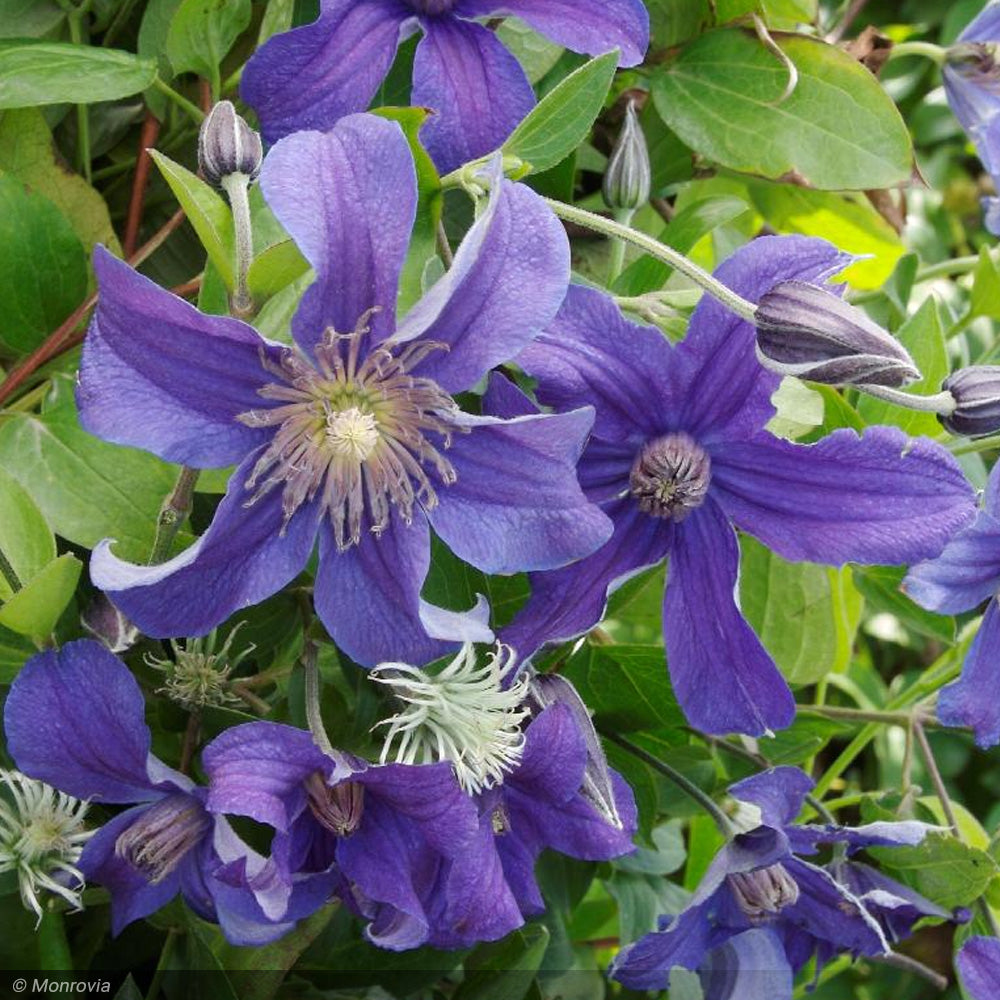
942 403
175 509
180 100
9 573
161 967
237 187
75 21
607 227
928 50
314 716
970 447
690 789
859 714
623 216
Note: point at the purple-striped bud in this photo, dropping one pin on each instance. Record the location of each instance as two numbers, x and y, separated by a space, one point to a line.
227 145
976 391
628 177
806 331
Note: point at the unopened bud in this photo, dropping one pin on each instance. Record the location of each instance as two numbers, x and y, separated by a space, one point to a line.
106 623
976 392
627 177
806 331
227 145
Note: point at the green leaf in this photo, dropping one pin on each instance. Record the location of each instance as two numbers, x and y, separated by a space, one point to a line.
852 225
838 130
43 268
206 210
536 54
14 652
667 856
25 537
36 607
985 297
923 336
796 611
880 585
202 32
642 900
128 990
561 120
86 489
275 268
30 18
627 687
941 868
505 969
28 152
674 21
803 739
34 73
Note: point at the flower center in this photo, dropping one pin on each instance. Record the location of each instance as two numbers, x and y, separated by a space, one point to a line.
670 476
359 433
41 839
433 7
764 892
462 714
157 842
338 808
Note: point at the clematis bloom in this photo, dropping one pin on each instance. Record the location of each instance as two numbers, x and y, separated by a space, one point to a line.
761 911
351 436
310 77
680 455
978 963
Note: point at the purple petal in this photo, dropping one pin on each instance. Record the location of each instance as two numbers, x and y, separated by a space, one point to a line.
350 218
310 77
567 602
516 503
257 770
978 964
805 837
591 355
504 399
778 792
508 278
554 757
76 719
247 554
368 597
728 392
828 911
972 699
133 896
965 574
725 681
879 498
750 966
159 375
591 26
476 87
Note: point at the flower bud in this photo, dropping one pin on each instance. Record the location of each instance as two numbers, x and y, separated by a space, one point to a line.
976 391
627 177
806 331
227 145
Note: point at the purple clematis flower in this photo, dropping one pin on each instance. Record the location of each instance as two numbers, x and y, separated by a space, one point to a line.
972 84
965 574
352 435
310 77
761 911
75 719
978 964
679 456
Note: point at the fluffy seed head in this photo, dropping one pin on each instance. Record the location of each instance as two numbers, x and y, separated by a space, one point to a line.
198 675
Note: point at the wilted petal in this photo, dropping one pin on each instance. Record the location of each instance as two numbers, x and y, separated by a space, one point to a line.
477 88
972 699
591 26
311 76
879 498
246 555
159 375
516 503
508 278
725 681
348 198
75 718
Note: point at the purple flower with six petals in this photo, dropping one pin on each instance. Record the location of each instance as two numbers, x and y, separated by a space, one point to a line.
353 435
761 912
679 455
75 719
964 575
310 77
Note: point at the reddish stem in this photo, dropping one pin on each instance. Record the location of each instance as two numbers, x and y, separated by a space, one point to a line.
147 138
